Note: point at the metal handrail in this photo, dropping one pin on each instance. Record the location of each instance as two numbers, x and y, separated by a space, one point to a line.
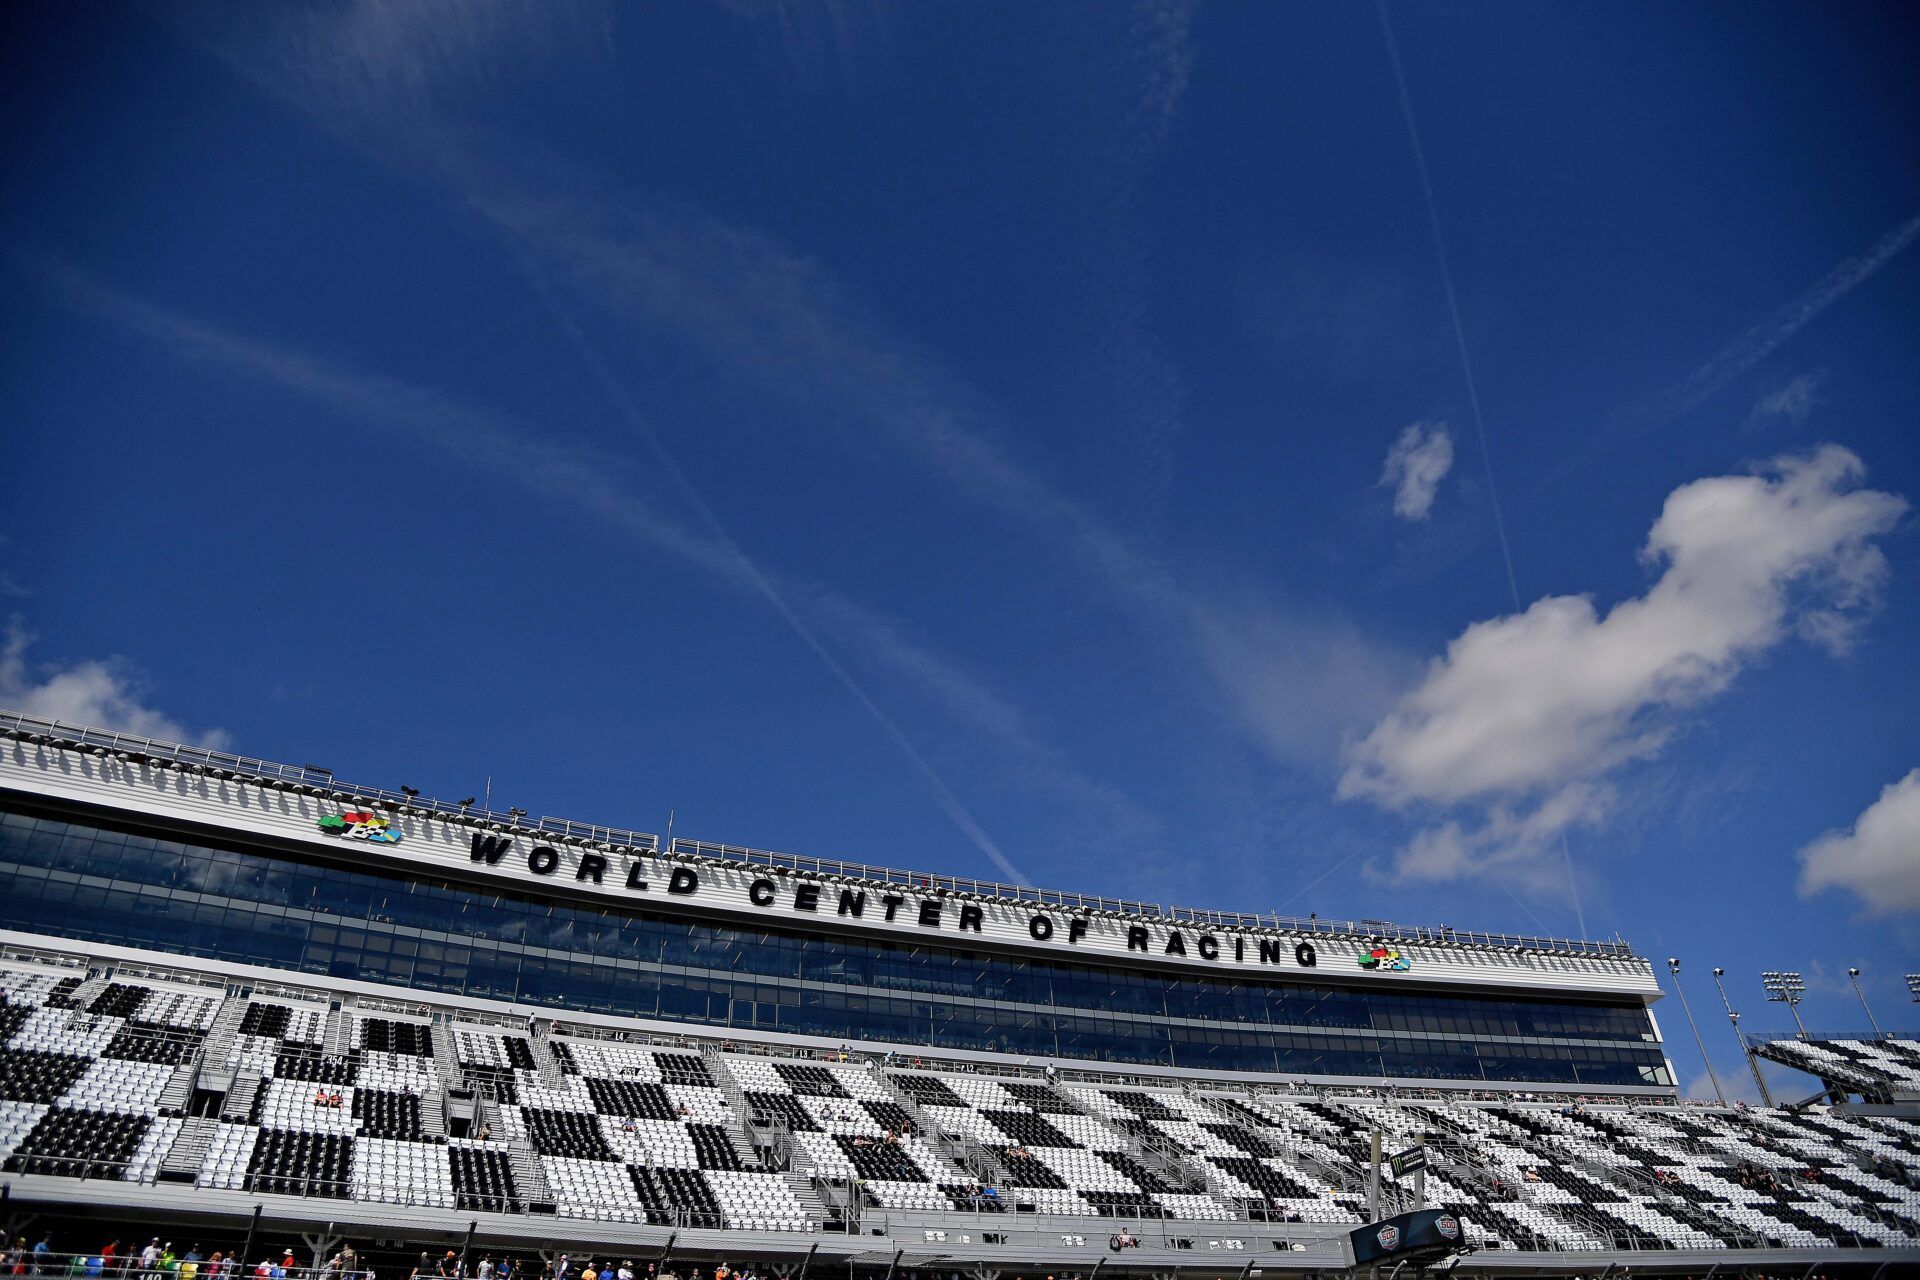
137 749
321 781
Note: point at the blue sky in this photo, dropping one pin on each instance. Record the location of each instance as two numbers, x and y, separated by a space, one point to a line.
1156 449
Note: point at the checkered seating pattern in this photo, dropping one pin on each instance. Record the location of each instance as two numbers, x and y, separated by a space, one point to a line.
637 1134
842 1118
629 1132
80 1087
1261 1154
1875 1068
1055 1156
269 1028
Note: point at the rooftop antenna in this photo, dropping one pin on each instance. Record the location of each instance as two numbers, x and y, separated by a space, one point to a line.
669 829
488 805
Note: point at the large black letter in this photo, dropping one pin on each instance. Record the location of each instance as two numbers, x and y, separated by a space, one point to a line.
1176 945
683 881
592 867
970 917
1076 929
1039 928
892 902
930 913
634 869
806 897
1269 951
853 902
490 849
1306 955
760 893
1136 937
1209 947
542 861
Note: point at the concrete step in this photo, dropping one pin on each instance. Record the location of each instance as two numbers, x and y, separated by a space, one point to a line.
179 1091
529 1177
189 1150
339 1037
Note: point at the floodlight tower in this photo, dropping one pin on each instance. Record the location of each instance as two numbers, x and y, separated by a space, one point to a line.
1853 976
1753 1063
1913 986
1719 1094
1787 989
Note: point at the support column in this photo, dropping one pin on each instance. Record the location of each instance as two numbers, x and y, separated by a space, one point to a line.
322 1243
246 1250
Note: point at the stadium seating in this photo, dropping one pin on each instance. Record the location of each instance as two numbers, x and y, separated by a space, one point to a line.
95 1070
1876 1069
1052 1153
847 1125
640 1135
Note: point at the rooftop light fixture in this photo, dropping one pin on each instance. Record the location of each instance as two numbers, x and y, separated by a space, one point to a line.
1786 988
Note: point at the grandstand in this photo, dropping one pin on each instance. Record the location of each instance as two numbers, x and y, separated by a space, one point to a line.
1875 1069
244 1003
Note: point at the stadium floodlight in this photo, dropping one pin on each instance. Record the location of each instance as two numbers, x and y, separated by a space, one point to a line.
1719 1094
1853 976
1753 1062
1788 988
1913 986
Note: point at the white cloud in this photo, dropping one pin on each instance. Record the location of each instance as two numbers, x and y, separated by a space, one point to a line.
1879 859
1417 463
1793 400
99 694
1523 716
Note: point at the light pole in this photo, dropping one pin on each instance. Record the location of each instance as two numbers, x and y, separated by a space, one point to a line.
1719 1094
1853 976
1787 989
1753 1063
1913 986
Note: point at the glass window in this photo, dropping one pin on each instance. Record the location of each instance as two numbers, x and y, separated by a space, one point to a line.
82 882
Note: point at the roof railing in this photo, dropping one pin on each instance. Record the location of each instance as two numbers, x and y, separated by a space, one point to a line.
314 779
317 780
1761 1039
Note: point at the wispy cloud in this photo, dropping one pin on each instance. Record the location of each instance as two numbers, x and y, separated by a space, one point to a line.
1791 401
105 693
767 315
1525 716
600 484
1416 464
1738 357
